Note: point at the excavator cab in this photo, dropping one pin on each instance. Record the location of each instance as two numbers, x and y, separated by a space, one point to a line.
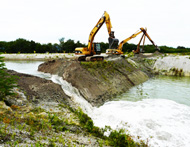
97 48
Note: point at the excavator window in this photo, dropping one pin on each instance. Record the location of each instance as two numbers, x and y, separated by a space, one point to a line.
97 48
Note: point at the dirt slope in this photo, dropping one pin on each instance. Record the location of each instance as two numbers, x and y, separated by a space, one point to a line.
39 90
97 81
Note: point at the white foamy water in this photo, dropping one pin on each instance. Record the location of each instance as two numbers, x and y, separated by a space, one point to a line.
165 123
73 93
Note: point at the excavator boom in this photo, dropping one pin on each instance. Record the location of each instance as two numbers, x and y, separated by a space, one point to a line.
126 40
105 18
145 34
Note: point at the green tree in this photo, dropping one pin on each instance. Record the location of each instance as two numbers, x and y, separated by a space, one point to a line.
2 46
7 81
180 47
129 47
68 46
104 47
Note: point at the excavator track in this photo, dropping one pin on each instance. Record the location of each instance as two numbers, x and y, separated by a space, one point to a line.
94 58
114 56
89 58
80 58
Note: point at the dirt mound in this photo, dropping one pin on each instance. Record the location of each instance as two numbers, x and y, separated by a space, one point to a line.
96 81
39 90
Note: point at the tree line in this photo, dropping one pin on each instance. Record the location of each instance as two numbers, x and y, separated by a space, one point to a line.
25 46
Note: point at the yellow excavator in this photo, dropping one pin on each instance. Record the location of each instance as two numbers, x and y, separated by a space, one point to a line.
118 50
138 50
92 51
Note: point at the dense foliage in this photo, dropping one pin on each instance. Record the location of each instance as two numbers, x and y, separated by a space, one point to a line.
25 46
7 82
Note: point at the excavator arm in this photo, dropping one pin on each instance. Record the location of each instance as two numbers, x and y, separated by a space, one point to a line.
127 39
105 18
145 34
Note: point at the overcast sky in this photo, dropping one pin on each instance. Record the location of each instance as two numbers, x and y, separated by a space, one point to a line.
46 21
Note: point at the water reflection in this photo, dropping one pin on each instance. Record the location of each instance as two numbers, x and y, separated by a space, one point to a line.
161 87
27 67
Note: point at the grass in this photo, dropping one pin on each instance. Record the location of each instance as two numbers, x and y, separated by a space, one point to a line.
31 123
52 129
97 64
107 69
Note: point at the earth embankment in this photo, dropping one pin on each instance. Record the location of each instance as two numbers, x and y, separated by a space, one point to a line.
97 81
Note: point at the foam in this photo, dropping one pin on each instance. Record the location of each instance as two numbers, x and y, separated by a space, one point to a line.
162 122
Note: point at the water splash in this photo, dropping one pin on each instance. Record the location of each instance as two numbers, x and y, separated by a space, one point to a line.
73 93
162 122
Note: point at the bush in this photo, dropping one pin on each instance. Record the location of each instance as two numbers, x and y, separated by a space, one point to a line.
7 81
121 139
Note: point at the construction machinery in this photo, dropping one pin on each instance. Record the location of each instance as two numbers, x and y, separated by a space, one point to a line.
118 50
92 51
140 50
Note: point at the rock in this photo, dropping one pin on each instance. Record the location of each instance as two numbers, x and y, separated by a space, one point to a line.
19 99
173 65
43 114
4 108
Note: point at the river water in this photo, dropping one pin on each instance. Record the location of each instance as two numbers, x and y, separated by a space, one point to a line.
157 111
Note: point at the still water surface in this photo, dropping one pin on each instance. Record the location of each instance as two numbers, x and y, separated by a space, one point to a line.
161 87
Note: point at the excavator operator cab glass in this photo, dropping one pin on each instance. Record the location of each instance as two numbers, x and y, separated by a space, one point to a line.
97 48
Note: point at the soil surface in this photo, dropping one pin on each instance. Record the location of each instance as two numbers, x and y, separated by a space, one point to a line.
97 81
39 90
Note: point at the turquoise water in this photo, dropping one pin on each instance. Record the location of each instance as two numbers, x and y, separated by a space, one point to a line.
161 87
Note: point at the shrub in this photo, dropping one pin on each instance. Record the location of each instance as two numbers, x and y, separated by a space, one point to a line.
7 81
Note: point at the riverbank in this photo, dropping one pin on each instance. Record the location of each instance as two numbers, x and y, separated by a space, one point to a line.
36 56
173 65
167 64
